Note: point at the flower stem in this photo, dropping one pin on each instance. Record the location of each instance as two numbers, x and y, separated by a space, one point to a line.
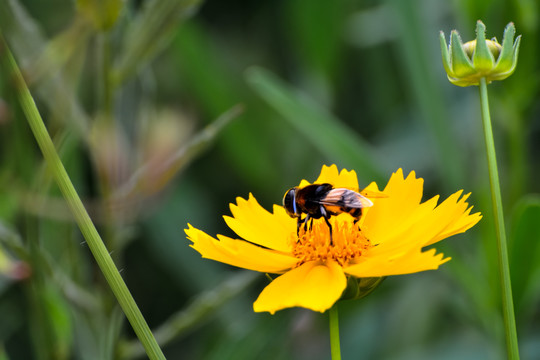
82 218
504 269
334 334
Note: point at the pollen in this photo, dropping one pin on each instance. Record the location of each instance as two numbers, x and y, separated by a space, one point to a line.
346 245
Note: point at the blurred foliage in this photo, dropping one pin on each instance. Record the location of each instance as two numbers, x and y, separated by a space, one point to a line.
165 111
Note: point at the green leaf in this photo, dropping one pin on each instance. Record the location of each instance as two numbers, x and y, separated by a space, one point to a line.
150 32
524 249
206 304
58 313
178 160
315 29
31 48
217 86
333 138
3 355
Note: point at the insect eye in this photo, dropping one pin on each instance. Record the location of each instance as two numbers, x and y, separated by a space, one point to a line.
289 202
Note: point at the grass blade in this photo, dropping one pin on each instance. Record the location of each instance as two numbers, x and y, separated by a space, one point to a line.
333 138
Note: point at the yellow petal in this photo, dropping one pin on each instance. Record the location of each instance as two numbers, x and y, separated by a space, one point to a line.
345 178
239 253
415 233
405 263
400 222
454 213
313 285
257 225
331 175
447 219
388 215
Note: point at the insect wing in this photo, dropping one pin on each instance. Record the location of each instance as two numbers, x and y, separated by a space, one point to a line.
373 194
345 198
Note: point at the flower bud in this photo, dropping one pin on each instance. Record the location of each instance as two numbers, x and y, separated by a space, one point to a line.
467 63
358 288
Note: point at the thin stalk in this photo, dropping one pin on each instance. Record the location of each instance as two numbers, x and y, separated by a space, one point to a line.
504 269
82 218
335 347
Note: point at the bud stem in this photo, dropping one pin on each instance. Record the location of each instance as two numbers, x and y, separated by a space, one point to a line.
94 241
335 347
504 269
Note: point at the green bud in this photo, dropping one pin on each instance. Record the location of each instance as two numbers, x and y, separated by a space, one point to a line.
358 288
467 63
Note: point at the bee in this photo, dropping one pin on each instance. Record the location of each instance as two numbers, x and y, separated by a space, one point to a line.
322 201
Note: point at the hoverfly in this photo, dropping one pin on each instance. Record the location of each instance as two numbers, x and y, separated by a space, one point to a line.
323 200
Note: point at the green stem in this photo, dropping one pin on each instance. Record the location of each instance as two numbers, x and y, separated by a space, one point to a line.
82 218
334 333
504 269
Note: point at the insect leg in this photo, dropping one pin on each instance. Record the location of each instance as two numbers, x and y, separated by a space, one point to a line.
306 221
357 215
329 228
356 220
325 216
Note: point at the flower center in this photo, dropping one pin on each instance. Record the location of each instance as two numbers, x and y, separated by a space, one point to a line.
347 244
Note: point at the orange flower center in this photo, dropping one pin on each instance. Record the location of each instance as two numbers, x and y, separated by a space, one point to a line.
347 244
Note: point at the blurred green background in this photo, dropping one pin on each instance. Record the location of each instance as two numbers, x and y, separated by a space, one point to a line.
165 111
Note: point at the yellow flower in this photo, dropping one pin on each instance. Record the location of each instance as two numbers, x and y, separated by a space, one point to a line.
387 240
